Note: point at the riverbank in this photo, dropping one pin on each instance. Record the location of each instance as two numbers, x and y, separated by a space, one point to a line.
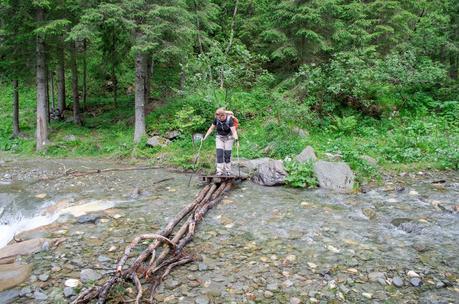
395 243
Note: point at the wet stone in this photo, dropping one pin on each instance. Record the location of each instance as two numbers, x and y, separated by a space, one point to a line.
69 291
25 291
202 267
44 277
268 294
39 296
202 300
416 282
9 296
172 284
397 282
89 275
103 258
88 218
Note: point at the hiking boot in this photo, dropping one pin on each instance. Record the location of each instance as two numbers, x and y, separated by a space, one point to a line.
228 174
220 174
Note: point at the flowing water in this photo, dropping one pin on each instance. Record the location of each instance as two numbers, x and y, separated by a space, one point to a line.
260 244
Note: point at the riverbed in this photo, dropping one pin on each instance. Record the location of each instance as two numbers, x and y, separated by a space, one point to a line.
396 243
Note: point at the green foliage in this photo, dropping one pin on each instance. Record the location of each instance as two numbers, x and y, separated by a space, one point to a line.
300 175
344 125
187 121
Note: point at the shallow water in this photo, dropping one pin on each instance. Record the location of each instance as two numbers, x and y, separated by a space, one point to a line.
268 245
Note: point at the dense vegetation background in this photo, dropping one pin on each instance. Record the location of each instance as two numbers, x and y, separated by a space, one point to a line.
351 78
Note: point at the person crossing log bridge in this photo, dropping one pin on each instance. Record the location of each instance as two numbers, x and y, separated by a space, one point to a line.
165 252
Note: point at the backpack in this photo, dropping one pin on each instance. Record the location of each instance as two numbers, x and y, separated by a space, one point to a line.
235 120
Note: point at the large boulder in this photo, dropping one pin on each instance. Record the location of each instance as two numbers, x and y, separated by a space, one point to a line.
306 155
13 274
24 248
171 135
336 176
264 171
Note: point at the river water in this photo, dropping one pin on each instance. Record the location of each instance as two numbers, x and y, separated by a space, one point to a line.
398 243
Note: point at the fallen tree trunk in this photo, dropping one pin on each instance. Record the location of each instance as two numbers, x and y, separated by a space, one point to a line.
156 261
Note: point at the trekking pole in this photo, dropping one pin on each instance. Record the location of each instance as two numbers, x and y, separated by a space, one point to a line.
238 160
195 162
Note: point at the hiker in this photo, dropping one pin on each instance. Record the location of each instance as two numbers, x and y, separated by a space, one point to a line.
226 124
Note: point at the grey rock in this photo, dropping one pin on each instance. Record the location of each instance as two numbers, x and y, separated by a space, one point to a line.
334 176
375 276
156 141
172 284
25 291
416 282
202 300
172 134
89 275
268 172
272 287
300 132
9 296
87 218
69 291
103 258
39 296
370 160
397 282
307 155
202 266
44 277
70 138
268 294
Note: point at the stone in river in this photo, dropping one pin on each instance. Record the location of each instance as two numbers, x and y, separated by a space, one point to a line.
9 296
69 291
88 218
72 283
44 277
202 300
39 296
397 282
416 282
13 274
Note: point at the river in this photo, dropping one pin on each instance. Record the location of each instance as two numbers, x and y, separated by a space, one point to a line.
397 243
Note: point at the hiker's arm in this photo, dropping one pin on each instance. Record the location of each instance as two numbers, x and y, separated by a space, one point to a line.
233 130
212 127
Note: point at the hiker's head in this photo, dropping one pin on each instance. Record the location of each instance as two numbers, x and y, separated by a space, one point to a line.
221 114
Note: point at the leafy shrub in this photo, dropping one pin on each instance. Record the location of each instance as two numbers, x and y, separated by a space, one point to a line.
300 175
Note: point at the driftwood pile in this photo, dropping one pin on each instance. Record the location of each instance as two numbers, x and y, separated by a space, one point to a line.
165 251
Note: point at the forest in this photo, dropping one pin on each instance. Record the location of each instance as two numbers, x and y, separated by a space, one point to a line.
366 79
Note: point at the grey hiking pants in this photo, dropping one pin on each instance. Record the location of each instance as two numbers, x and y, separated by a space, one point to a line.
224 147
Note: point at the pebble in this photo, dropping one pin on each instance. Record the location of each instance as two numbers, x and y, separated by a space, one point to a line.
397 282
39 296
69 291
272 287
416 282
44 277
268 294
88 275
202 300
367 295
112 248
88 218
172 284
25 291
295 300
375 276
412 274
202 266
103 258
72 283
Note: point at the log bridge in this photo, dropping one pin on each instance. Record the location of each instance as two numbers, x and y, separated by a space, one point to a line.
166 249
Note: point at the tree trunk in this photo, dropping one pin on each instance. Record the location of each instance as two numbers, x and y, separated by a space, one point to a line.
140 73
76 98
198 28
182 80
115 85
148 74
85 75
61 80
53 105
16 129
47 91
42 119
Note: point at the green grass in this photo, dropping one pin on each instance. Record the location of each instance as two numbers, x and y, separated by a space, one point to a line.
406 141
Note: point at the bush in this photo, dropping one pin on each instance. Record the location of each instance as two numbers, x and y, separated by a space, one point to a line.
300 175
